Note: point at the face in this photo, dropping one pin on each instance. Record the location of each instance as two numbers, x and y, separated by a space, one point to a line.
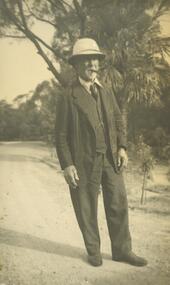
87 67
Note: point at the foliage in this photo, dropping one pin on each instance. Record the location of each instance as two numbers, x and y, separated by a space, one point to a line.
128 31
34 117
45 98
135 49
153 123
144 156
8 121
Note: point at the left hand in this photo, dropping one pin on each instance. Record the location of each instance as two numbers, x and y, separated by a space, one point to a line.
122 158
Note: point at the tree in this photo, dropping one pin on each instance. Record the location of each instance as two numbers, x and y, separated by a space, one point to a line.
28 118
128 31
18 17
9 120
45 98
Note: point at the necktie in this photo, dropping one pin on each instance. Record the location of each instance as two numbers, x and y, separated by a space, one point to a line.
94 91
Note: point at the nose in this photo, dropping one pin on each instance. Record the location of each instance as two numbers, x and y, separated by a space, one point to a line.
91 62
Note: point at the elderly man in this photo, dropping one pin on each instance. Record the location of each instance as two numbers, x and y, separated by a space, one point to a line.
91 148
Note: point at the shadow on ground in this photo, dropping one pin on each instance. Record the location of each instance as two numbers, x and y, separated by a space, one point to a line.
14 238
19 239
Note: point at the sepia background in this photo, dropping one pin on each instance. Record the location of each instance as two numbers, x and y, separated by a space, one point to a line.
40 242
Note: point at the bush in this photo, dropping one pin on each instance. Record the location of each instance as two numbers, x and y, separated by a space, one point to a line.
158 139
145 160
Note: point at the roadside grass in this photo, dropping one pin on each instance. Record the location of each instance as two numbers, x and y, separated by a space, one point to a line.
157 191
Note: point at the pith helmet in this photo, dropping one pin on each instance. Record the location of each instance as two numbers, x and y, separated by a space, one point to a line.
85 46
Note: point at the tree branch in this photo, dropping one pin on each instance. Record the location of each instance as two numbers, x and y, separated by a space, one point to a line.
62 4
12 36
95 5
12 17
51 67
19 2
65 3
58 5
53 4
55 52
81 16
30 36
59 55
64 10
162 7
34 39
39 18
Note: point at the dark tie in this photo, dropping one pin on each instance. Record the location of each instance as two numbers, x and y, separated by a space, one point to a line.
94 91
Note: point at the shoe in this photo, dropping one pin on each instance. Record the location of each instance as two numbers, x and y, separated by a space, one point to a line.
131 258
95 260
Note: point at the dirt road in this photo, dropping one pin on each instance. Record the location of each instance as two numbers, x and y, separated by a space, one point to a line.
40 243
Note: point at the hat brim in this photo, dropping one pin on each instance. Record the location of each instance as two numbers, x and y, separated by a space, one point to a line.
72 58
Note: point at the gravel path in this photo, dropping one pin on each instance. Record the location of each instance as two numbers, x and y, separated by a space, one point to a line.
40 243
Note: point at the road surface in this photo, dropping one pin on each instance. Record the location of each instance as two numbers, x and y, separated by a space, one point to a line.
40 243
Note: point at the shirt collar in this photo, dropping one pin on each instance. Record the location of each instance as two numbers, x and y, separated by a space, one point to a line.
87 84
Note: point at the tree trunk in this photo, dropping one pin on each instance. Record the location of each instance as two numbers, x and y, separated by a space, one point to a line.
143 188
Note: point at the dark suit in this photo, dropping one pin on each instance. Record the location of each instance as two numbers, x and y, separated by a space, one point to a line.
76 132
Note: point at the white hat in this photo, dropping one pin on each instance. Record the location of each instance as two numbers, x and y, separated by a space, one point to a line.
85 46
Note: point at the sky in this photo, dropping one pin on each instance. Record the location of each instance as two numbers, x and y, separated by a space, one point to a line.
22 69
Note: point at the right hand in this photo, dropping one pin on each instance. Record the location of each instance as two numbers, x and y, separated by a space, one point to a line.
71 176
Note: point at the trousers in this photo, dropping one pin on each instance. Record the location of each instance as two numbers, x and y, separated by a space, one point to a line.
85 203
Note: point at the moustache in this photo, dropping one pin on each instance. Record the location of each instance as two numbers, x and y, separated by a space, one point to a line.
93 70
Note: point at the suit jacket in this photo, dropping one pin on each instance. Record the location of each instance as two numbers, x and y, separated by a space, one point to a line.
76 128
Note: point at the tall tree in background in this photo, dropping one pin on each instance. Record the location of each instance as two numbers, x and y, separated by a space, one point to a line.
45 99
32 117
130 32
127 30
28 117
8 121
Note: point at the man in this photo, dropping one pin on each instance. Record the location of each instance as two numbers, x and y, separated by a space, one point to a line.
91 147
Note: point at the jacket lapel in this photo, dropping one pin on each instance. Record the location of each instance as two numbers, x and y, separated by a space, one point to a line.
107 105
85 103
